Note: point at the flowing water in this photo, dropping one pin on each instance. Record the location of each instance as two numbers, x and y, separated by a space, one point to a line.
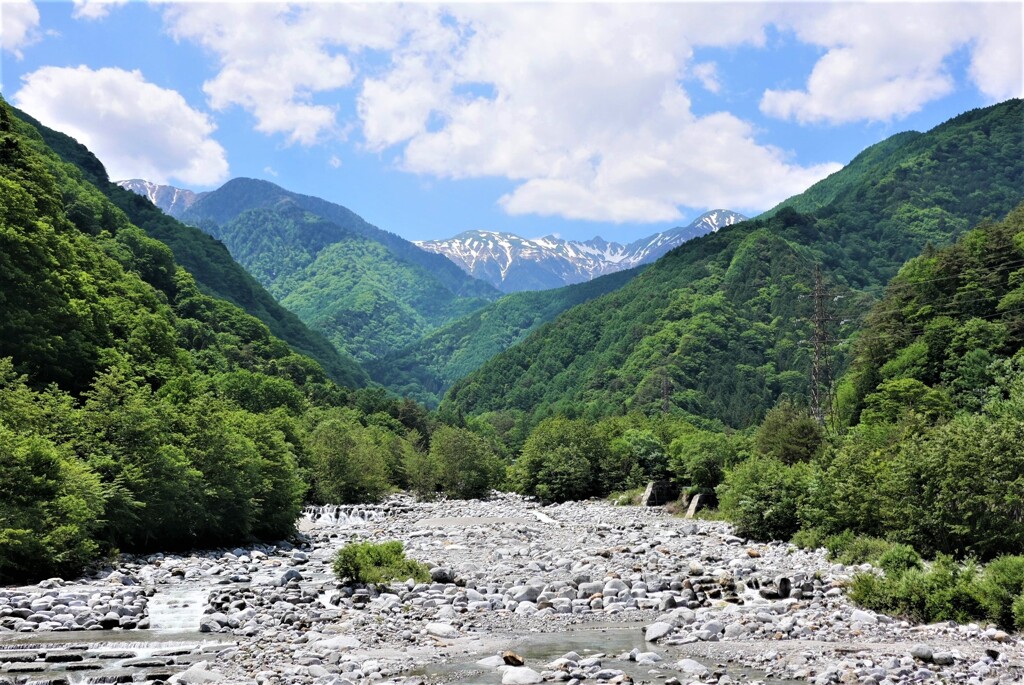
176 610
540 648
95 657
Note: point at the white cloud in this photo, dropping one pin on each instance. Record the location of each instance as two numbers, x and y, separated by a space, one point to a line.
19 21
334 162
136 128
274 59
885 62
269 170
94 9
584 106
707 74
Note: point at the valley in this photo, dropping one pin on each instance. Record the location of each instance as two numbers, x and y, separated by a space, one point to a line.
249 436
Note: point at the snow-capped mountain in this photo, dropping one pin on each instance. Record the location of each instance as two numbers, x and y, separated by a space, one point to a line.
511 263
173 201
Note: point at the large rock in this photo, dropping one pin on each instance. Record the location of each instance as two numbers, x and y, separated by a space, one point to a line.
441 574
922 652
443 630
658 630
692 668
520 675
859 616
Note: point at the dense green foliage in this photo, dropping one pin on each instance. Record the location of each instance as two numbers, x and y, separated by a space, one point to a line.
368 562
137 411
207 260
947 591
369 292
929 451
714 329
428 367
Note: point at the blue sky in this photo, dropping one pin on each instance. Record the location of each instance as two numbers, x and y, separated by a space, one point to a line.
575 119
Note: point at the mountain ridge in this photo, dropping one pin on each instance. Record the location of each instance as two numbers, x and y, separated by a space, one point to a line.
171 199
215 271
512 263
715 331
369 291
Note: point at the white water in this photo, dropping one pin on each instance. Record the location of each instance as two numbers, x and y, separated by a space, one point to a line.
176 610
335 515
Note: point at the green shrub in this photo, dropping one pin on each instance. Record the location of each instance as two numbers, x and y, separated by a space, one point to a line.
367 562
1018 612
945 591
626 497
1001 582
762 497
809 538
847 548
899 559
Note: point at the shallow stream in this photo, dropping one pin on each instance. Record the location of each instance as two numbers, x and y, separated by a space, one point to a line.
538 649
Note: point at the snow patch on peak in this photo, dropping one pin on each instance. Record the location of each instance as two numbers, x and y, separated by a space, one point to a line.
171 200
511 263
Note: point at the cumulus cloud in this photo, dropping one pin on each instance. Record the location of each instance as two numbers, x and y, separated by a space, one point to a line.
136 128
19 22
94 9
585 106
707 74
885 62
274 59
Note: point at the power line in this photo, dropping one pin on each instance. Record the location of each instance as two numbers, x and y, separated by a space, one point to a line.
908 332
910 284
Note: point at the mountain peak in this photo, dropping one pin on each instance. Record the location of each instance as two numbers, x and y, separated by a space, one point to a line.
172 200
511 263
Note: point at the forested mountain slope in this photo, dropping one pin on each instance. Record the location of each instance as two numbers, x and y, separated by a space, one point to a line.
207 260
716 328
370 292
428 367
138 412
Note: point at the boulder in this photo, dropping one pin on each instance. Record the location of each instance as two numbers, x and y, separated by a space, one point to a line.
442 630
658 630
520 675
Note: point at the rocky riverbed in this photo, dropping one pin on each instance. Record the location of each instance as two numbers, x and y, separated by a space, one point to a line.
597 593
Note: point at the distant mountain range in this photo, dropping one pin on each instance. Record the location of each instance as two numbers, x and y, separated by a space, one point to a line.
512 264
508 262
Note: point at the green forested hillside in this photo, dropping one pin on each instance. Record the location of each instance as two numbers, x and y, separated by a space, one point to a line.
241 194
137 411
935 395
356 291
428 367
714 330
368 291
216 273
929 420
